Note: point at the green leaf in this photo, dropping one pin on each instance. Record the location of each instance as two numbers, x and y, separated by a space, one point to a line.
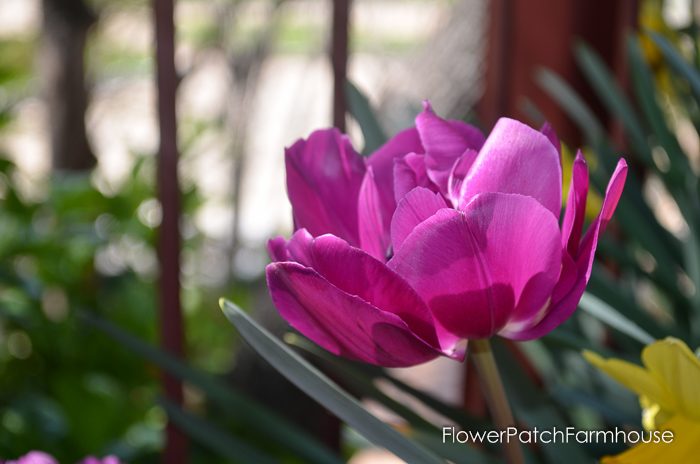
358 382
565 338
603 82
362 381
319 387
605 287
361 111
569 397
609 315
455 414
570 101
645 91
245 411
209 435
457 453
676 61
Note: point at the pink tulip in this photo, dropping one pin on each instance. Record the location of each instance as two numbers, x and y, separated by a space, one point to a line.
34 457
39 457
437 237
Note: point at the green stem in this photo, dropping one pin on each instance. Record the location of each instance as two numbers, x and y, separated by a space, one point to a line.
495 395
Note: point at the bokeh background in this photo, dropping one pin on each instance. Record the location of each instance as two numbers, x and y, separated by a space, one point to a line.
80 213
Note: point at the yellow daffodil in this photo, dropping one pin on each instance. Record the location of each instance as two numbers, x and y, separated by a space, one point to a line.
668 386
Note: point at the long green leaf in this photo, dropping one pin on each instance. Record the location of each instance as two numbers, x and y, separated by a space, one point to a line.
645 91
570 101
362 381
678 64
609 315
361 111
212 437
245 411
613 98
319 387
605 287
359 383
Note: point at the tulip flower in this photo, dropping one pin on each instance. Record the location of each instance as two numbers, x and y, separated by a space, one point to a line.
39 457
667 388
440 236
34 457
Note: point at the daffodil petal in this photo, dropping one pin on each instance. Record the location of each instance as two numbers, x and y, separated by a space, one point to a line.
635 378
677 368
684 447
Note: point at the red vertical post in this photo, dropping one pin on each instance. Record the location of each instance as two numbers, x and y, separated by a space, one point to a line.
339 59
170 311
526 35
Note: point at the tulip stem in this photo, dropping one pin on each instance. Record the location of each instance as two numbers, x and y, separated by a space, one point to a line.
495 395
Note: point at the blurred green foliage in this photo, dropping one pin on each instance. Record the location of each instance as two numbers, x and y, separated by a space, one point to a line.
78 308
63 388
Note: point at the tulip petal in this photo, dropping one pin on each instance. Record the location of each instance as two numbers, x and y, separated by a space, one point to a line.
34 457
476 268
382 163
343 324
409 173
523 322
563 308
299 247
373 220
516 159
277 249
613 192
324 174
572 224
355 272
444 141
549 132
417 206
458 173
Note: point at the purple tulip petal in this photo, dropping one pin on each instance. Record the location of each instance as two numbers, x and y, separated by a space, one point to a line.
110 460
409 173
355 272
417 206
277 249
324 174
516 159
458 173
549 132
613 192
563 307
299 246
382 163
35 457
105 460
444 141
568 278
342 323
499 257
373 220
575 213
